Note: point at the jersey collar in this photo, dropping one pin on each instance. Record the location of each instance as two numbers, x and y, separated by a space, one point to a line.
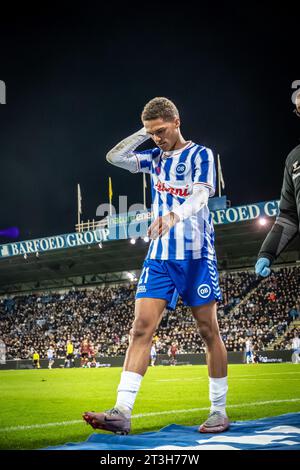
173 153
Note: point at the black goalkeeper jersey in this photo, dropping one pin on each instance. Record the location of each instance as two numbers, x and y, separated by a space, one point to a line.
287 223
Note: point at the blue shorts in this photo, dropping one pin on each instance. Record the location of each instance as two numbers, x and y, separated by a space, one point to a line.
195 280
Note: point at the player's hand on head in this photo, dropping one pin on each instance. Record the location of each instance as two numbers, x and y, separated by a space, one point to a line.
262 267
144 132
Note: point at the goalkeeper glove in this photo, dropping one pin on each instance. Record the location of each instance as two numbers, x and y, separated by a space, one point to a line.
262 267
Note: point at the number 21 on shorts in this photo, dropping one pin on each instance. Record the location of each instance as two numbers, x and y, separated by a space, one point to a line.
144 276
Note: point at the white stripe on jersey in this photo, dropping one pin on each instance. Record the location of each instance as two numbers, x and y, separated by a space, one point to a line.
210 175
165 246
197 240
173 175
179 237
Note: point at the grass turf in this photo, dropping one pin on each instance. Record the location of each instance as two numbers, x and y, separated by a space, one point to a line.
38 397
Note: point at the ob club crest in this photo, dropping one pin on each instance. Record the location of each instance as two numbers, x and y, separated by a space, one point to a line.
180 168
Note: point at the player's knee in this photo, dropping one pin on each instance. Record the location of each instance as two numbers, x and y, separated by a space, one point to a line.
208 332
142 329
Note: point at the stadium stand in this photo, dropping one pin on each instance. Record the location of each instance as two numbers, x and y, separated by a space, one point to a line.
260 309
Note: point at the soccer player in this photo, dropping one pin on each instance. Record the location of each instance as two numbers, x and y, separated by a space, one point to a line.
153 354
172 354
287 223
249 351
181 258
69 362
92 351
2 352
36 360
296 349
84 350
50 356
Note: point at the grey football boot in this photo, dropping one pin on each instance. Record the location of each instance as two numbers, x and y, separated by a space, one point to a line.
216 422
111 420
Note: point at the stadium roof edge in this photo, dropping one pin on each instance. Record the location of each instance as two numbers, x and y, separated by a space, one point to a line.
237 246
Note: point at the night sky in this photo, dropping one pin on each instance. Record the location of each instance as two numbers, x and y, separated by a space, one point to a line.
78 78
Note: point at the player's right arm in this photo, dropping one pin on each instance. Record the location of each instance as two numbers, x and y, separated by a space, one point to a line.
123 155
284 229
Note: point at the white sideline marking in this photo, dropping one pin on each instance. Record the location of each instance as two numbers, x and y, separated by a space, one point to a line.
145 415
182 380
260 376
270 373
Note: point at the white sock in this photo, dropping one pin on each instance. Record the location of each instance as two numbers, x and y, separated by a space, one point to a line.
127 391
217 394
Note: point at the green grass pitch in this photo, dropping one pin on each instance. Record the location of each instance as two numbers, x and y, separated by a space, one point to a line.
43 407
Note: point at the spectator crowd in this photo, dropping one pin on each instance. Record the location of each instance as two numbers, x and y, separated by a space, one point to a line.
260 309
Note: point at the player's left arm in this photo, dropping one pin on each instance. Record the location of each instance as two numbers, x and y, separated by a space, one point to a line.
285 227
204 177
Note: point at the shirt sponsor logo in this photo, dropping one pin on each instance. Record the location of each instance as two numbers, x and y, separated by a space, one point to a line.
204 291
180 169
183 192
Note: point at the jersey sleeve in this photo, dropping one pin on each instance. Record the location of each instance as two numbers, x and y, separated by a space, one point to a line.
285 227
204 171
143 161
287 205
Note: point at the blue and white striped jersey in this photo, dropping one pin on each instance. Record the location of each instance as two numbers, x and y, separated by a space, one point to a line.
173 175
50 354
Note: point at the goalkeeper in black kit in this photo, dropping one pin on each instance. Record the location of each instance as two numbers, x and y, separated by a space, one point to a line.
287 224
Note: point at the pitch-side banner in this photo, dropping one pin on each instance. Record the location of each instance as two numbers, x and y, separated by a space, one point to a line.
130 225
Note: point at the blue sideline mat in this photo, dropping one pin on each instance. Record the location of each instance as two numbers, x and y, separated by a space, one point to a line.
276 433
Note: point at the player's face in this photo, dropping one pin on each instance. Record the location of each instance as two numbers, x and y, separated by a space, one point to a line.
298 104
164 133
